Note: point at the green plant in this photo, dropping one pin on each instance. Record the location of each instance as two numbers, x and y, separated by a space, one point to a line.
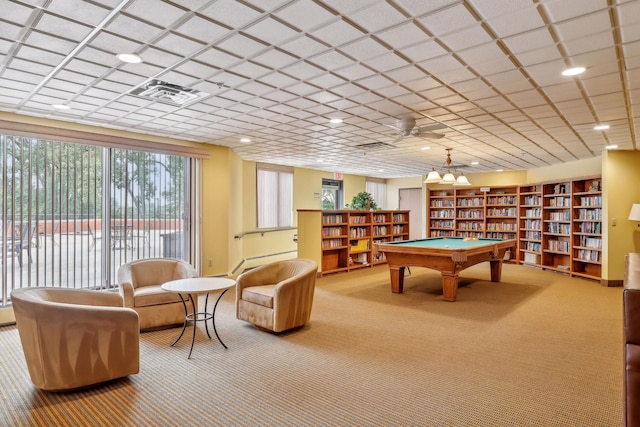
362 200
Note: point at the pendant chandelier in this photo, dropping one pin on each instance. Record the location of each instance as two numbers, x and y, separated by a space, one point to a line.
448 178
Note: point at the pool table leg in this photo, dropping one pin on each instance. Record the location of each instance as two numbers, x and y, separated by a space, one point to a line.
449 286
496 270
397 279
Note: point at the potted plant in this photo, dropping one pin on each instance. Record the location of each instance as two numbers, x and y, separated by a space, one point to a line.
362 201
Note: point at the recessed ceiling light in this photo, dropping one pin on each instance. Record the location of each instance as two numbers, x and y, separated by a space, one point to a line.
61 107
499 170
601 127
426 148
475 163
611 147
130 58
380 170
335 121
245 140
573 71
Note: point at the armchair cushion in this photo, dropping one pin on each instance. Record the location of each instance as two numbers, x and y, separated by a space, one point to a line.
140 283
277 296
261 295
75 338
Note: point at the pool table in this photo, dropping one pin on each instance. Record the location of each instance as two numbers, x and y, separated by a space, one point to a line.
448 255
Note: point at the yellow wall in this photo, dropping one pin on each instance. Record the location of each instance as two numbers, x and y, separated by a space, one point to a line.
623 237
352 185
575 169
216 198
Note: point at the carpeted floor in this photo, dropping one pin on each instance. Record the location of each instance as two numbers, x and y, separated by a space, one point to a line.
537 349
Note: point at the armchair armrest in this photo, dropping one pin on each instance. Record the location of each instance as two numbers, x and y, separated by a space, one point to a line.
125 288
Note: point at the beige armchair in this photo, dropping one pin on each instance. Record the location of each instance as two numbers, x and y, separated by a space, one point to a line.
140 286
75 338
277 296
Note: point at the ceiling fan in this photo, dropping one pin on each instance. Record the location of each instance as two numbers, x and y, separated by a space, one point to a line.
407 127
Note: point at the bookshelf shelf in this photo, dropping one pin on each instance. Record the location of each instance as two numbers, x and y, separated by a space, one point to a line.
346 237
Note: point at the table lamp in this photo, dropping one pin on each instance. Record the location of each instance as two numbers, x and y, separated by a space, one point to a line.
634 215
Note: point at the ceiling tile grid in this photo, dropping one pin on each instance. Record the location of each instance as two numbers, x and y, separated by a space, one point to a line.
277 71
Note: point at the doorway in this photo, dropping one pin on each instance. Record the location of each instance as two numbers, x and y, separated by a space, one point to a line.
411 199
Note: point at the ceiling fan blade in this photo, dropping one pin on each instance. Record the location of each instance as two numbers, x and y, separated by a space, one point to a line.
393 127
429 128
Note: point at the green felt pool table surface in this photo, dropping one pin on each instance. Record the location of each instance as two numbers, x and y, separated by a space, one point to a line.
446 243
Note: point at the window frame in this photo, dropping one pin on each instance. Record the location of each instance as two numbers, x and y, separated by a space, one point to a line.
281 206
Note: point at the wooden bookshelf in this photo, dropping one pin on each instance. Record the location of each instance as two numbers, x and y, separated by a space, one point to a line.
558 225
441 213
570 226
530 224
587 228
342 240
471 212
502 213
556 232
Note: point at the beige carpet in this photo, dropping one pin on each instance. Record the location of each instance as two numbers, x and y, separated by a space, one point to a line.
537 349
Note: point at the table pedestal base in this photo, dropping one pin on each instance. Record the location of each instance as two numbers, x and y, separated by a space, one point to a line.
195 317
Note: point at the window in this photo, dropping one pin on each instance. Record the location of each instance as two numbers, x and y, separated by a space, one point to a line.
275 196
378 189
332 195
72 213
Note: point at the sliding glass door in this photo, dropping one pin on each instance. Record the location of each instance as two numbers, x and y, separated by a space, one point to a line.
71 214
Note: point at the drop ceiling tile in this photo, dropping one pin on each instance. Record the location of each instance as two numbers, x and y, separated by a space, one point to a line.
40 56
81 12
377 17
119 76
10 31
560 10
448 20
134 29
578 28
338 33
327 80
18 14
465 38
271 31
539 56
594 42
231 13
114 44
302 71
305 15
158 12
217 58
244 44
202 30
404 35
90 54
525 19
274 59
330 60
255 88
32 67
53 44
277 79
424 51
179 45
303 47
51 24
65 86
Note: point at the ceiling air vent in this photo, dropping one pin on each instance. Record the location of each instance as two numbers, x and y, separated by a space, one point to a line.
374 146
169 93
